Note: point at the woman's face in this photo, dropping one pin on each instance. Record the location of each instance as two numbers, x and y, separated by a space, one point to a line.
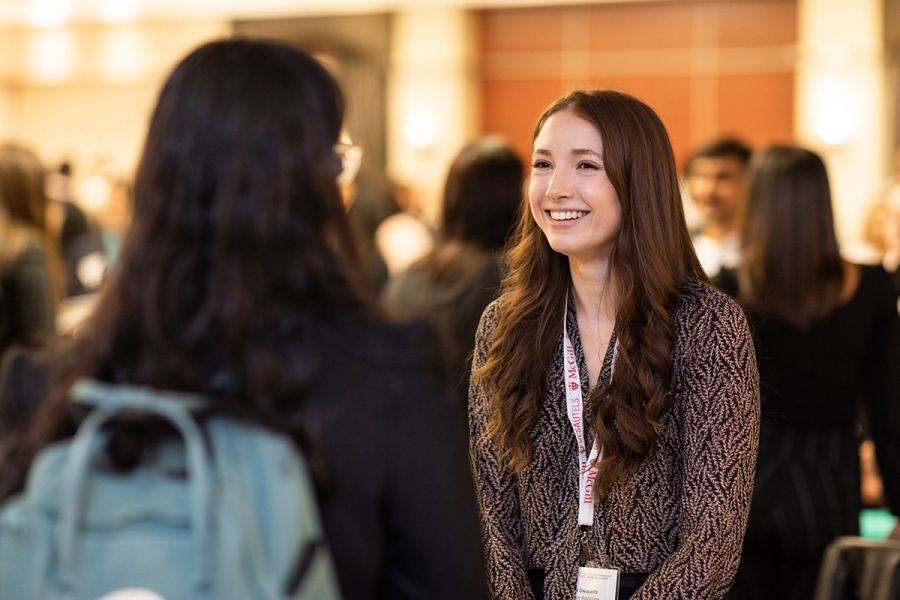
571 197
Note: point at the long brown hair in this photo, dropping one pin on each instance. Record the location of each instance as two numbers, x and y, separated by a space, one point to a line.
652 257
791 264
232 270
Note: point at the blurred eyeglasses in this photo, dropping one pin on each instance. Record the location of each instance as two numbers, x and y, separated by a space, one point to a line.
351 159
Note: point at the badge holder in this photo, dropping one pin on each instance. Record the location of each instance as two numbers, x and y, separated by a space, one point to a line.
598 579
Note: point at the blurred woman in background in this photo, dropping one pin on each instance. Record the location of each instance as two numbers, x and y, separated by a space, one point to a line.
233 282
22 177
827 335
30 282
456 281
26 297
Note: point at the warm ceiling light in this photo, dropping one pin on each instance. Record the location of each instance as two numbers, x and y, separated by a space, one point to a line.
117 12
49 13
834 110
52 57
420 128
123 54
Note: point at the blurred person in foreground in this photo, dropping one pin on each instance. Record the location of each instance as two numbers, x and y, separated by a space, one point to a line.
827 335
456 281
715 181
232 283
613 406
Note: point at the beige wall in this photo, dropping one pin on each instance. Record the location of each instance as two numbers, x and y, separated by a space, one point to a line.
433 99
839 105
707 68
87 125
85 93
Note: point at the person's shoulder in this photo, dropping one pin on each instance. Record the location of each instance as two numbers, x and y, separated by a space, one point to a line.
31 255
876 285
34 249
703 306
874 275
702 294
402 291
491 313
387 342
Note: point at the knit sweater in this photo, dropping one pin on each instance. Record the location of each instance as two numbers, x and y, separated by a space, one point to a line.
680 518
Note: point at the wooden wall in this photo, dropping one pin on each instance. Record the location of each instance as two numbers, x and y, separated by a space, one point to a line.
707 67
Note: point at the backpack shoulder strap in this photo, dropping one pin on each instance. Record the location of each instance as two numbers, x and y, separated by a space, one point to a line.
89 393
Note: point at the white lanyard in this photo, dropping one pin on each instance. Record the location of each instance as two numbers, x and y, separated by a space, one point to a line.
575 409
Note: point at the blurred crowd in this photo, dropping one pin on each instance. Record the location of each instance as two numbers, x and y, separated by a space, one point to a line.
826 330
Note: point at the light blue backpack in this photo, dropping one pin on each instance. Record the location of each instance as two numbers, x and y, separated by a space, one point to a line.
225 513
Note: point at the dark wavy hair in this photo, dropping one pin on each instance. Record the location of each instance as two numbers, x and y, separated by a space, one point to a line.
482 196
652 258
235 258
791 265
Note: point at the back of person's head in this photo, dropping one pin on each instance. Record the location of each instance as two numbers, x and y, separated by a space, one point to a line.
22 186
726 147
483 193
791 263
239 158
233 265
237 215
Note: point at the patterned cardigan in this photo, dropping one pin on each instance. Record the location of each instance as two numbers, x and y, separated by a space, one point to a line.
681 518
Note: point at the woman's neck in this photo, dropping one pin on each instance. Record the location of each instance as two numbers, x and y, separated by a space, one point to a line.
595 306
594 292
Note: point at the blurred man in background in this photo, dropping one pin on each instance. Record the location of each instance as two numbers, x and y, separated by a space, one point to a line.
715 183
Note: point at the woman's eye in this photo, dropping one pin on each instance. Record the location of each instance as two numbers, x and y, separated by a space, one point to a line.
540 164
588 166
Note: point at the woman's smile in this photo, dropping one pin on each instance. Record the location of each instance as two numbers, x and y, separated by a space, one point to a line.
566 215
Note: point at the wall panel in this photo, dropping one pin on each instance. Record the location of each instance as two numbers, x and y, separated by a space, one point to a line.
708 68
755 107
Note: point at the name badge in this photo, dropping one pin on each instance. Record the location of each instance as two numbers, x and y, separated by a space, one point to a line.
597 584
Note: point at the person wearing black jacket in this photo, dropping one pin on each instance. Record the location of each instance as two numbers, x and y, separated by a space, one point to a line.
235 282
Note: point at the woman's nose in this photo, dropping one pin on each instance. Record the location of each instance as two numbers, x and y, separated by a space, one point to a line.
560 185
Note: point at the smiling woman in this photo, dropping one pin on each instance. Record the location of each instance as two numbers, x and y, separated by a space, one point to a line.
571 197
652 493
